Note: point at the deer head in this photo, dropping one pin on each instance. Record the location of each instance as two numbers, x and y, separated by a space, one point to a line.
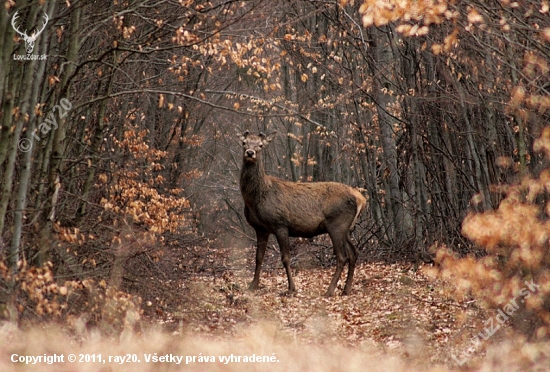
252 145
29 40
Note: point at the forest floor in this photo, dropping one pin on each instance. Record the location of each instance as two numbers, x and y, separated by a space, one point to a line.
397 309
196 306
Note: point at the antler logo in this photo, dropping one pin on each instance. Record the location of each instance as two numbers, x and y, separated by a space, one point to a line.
29 40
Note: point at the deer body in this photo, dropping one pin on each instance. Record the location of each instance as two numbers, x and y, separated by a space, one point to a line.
297 209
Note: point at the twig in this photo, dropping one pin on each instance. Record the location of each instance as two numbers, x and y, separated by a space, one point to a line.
433 302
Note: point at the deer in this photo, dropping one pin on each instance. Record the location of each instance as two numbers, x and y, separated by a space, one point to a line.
29 40
297 209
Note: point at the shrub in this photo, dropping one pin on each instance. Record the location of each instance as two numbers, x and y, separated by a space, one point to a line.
515 237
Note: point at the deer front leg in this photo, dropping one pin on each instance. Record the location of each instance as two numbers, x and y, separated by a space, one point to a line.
262 238
284 246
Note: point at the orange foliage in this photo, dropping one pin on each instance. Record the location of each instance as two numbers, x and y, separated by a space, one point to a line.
35 294
134 192
516 240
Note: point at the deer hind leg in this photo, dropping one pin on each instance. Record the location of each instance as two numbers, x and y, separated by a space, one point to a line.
284 246
339 244
262 238
353 253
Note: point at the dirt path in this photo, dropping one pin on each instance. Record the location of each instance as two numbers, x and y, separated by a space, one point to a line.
394 308
199 316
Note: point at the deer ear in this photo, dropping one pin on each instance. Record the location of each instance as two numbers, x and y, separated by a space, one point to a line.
270 137
245 134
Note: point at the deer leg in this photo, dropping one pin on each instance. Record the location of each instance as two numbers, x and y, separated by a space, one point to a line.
262 238
339 245
284 246
353 254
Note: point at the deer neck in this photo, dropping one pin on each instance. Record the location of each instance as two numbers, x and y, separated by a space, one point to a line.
254 181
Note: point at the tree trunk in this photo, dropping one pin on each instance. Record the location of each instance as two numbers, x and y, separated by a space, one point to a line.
383 58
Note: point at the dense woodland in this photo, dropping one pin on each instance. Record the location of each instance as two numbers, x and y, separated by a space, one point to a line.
123 139
424 107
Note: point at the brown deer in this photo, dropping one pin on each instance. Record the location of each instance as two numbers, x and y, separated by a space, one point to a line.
297 209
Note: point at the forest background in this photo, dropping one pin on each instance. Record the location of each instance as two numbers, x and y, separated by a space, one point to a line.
119 140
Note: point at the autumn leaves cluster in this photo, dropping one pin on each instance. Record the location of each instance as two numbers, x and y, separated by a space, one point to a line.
515 238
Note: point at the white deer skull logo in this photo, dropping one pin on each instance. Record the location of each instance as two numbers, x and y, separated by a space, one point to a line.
29 40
